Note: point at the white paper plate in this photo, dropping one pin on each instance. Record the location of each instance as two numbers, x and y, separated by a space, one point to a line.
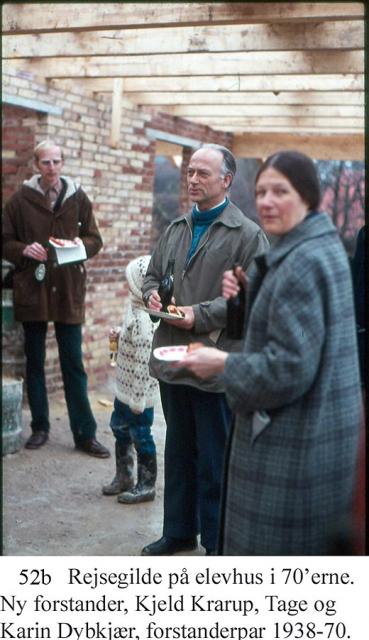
163 314
170 354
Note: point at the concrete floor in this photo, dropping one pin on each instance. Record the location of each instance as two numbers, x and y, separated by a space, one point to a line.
52 500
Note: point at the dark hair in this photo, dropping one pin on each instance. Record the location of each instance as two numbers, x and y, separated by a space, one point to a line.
299 169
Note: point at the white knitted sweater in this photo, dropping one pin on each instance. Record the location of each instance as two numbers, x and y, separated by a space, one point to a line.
134 385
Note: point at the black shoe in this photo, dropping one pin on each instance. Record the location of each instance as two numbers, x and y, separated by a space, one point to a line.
210 552
93 448
37 440
168 546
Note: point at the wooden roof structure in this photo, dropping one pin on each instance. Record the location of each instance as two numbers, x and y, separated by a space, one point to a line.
286 74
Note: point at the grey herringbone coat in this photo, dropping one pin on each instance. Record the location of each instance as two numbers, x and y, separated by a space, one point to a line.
295 391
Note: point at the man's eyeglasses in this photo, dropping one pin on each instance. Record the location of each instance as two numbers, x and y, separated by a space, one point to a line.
48 163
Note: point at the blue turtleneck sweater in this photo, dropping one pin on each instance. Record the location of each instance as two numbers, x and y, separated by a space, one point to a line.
201 220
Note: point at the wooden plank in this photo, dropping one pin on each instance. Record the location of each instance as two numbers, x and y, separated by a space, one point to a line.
28 103
116 112
268 122
25 18
321 147
175 84
272 131
241 110
286 37
196 64
161 99
173 138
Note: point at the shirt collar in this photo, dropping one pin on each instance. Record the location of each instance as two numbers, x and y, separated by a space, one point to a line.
215 207
45 189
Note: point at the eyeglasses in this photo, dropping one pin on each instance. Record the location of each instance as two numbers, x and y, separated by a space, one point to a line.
48 163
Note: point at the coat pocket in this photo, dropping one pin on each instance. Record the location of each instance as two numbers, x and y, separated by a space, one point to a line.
79 283
260 420
215 335
27 290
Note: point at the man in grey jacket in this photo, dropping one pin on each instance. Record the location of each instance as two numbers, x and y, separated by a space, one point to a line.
204 243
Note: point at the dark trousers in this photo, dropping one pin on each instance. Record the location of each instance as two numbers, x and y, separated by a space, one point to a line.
69 339
197 428
129 427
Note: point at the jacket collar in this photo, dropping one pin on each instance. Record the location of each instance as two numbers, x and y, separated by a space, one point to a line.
230 217
72 187
311 227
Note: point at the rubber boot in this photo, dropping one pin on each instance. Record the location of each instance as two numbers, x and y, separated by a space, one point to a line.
144 491
123 479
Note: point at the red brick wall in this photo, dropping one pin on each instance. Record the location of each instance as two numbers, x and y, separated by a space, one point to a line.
18 137
118 181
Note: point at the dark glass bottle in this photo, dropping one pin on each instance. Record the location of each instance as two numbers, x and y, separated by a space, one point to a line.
236 313
166 286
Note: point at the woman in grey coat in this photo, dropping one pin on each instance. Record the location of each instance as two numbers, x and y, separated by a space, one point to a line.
295 388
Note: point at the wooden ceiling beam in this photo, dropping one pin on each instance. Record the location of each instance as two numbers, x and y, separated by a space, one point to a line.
336 147
271 110
69 16
268 68
162 99
324 132
279 37
196 64
269 122
352 82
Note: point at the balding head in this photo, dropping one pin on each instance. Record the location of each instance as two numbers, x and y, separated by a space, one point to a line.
44 146
229 161
207 179
49 162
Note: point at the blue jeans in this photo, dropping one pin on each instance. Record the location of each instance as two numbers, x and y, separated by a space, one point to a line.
69 339
131 428
197 428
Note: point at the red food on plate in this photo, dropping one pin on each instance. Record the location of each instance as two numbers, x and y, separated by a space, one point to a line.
174 310
57 241
194 345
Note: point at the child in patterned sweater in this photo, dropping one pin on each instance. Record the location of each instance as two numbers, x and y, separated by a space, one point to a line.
136 391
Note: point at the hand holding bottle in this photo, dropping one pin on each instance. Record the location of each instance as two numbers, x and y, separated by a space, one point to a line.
154 301
231 282
233 287
166 286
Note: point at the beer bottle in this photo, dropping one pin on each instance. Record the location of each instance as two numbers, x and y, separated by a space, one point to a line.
113 345
236 313
166 286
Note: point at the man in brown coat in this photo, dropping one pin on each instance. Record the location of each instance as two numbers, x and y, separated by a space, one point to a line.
52 205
